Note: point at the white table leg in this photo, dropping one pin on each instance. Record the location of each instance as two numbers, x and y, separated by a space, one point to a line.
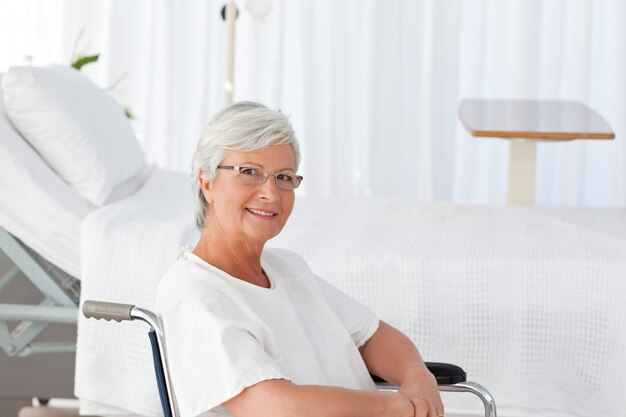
521 172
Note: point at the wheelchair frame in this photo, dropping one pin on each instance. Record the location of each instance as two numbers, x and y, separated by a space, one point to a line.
444 373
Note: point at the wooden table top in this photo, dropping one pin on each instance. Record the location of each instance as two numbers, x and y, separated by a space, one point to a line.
533 119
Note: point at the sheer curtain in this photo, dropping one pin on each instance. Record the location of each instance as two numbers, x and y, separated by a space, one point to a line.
372 87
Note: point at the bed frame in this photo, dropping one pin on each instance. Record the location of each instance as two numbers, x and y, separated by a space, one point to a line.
61 293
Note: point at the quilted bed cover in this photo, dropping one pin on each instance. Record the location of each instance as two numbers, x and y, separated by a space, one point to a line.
528 300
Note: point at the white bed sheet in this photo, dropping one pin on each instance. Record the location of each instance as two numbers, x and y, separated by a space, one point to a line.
126 247
35 204
38 207
528 300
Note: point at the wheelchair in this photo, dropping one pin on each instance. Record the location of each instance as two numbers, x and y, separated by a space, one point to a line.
450 378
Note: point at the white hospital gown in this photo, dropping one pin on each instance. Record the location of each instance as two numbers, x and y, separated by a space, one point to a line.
224 334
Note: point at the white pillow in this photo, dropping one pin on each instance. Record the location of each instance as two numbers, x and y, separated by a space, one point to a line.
75 126
36 205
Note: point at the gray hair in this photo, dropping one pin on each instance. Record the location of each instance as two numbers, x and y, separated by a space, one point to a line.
242 127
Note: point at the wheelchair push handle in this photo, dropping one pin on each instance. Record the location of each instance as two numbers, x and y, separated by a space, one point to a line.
107 311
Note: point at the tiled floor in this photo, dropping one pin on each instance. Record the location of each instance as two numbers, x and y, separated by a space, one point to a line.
47 412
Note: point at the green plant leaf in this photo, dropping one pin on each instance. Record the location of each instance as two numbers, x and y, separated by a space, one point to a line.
129 114
81 61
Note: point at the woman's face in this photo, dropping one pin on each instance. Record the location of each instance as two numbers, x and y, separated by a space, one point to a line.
252 212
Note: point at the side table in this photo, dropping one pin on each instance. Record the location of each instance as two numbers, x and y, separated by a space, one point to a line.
525 122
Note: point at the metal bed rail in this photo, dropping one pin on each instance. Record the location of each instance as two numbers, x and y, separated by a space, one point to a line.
61 293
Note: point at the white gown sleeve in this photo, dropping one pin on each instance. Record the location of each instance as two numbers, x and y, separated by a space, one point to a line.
358 319
212 358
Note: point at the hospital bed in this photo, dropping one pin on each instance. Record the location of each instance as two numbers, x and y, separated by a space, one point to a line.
528 300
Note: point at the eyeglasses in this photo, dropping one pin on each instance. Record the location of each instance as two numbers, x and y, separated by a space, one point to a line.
257 175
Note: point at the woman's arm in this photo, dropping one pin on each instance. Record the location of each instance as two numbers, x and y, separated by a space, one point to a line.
392 356
282 398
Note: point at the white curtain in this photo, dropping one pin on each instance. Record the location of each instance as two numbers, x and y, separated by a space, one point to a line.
372 86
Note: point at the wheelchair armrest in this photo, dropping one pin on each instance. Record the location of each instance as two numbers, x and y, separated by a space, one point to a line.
445 373
453 379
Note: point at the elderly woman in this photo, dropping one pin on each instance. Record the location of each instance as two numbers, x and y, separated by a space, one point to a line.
253 331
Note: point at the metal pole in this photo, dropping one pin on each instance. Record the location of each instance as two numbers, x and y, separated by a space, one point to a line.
231 15
29 312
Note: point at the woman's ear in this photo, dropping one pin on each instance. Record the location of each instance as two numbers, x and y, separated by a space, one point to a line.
205 186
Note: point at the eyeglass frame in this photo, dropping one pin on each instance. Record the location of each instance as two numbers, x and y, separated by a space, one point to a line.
266 175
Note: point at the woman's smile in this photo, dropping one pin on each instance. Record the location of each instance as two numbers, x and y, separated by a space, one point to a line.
262 213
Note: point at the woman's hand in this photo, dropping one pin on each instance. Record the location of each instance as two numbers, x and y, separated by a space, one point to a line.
392 356
420 387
